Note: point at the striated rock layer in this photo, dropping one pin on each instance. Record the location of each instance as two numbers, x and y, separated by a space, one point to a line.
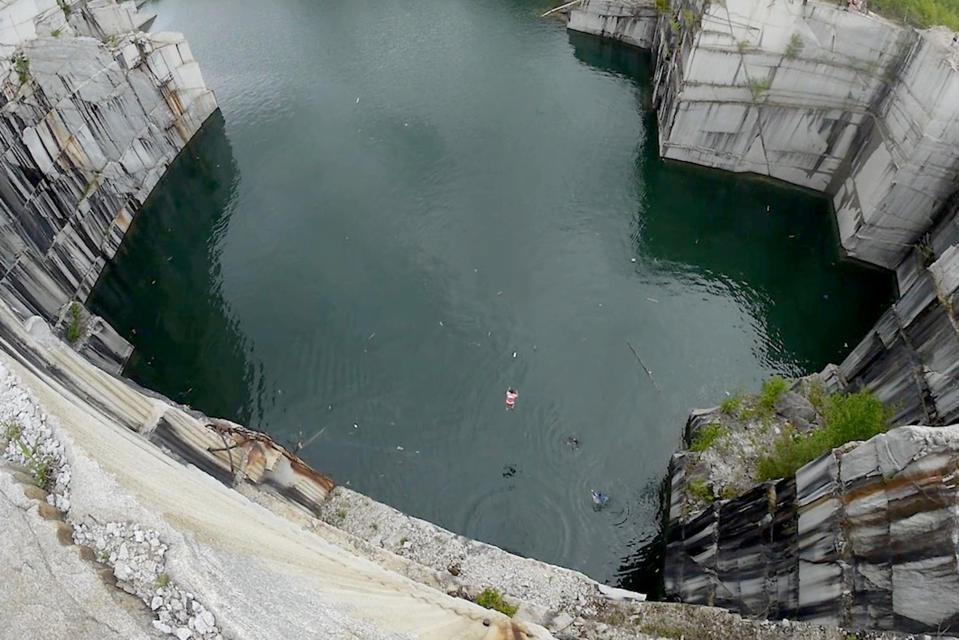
863 537
93 111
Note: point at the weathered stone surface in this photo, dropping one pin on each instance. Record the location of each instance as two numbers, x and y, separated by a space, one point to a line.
92 115
628 21
834 100
842 102
860 538
47 591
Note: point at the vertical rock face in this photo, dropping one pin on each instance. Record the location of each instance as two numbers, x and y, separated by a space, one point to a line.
93 112
861 537
833 100
837 101
910 359
629 21
845 103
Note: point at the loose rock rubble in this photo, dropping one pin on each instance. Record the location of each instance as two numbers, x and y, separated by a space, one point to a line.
27 440
135 554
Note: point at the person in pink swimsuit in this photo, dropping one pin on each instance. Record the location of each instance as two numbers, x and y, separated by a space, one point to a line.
511 396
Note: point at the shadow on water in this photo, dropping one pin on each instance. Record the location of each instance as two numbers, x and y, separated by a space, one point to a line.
613 57
192 201
827 302
829 299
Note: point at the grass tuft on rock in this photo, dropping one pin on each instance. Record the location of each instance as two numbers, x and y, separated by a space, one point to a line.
770 393
707 436
795 46
76 324
22 66
730 406
42 466
698 488
492 599
858 416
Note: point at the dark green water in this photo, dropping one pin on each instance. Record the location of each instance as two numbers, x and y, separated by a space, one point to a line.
402 196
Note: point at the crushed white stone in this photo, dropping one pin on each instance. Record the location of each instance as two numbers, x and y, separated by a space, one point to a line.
29 439
136 554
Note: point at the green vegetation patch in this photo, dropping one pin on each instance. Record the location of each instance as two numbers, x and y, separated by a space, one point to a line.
707 436
758 85
42 466
76 323
22 66
920 13
730 406
857 416
795 46
492 599
772 390
697 488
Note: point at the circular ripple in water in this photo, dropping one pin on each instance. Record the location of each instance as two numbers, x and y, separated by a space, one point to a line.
521 519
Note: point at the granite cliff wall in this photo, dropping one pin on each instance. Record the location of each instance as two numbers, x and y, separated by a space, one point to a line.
863 537
867 112
93 112
838 101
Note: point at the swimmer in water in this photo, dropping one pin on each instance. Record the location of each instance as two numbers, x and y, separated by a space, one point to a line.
511 396
599 498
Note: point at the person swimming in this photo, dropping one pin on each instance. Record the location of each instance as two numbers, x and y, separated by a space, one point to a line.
599 498
511 396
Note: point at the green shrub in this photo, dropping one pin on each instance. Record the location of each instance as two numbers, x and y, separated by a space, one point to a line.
817 395
662 6
758 85
769 394
707 436
42 466
76 324
730 406
795 46
22 66
858 416
492 599
65 8
690 18
697 487
920 13
11 431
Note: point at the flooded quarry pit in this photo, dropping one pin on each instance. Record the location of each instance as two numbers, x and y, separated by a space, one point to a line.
406 209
